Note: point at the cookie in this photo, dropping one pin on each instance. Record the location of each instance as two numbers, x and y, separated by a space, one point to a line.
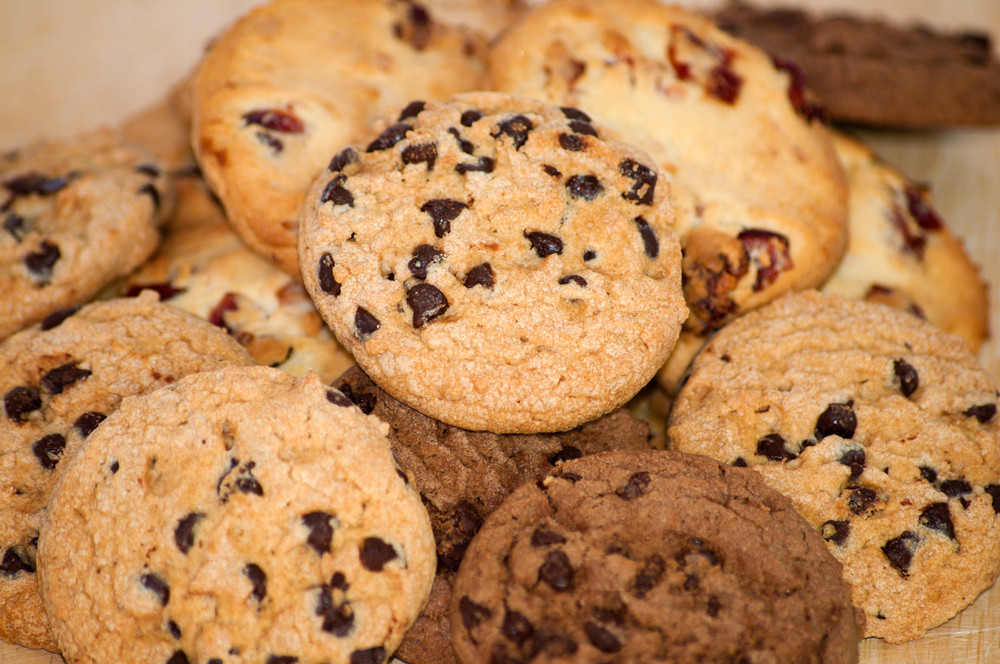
760 198
264 520
59 380
871 71
650 557
902 253
203 267
489 17
494 263
293 81
880 427
463 476
76 214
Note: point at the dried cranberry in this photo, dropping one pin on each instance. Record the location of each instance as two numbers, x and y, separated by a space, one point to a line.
769 252
274 119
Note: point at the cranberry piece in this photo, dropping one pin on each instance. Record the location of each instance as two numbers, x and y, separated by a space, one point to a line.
921 210
274 119
769 252
217 316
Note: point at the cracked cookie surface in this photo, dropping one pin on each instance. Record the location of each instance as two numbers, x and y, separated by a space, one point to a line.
881 428
266 522
650 557
496 264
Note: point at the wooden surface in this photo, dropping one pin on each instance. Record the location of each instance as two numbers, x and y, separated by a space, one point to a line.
69 66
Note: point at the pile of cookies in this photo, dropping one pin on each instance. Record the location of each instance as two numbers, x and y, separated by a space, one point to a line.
485 333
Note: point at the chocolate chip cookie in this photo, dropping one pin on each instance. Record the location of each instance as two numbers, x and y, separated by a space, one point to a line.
59 380
496 263
241 515
650 557
463 476
881 428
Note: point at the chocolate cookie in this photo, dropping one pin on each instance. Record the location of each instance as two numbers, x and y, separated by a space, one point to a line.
650 557
76 214
59 380
293 81
881 428
495 263
241 515
463 476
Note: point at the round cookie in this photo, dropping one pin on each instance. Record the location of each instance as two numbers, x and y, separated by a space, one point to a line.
650 557
58 381
203 267
901 252
265 520
881 428
494 263
292 81
76 214
463 476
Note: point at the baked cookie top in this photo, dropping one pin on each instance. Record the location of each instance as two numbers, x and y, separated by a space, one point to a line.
463 476
203 267
267 522
496 264
760 199
293 81
59 380
76 214
881 428
902 253
650 557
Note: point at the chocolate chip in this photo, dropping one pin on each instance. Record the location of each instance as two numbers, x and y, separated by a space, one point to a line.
552 170
556 571
338 617
365 324
587 187
464 144
282 659
423 256
62 377
572 113
739 462
376 553
589 255
544 244
389 137
954 488
14 224
153 193
324 273
184 532
338 398
583 127
855 459
553 645
419 153
572 142
516 627
48 449
573 278
836 531
994 491
89 421
273 142
41 262
427 303
274 120
342 159
14 562
649 242
113 467
900 551
442 212
837 420
365 401
335 193
339 581
601 638
485 165
417 28
861 500
517 127
320 530
714 606
643 182
174 628
936 516
635 487
469 117
481 275
473 615
649 576
565 453
157 585
179 657
374 655
570 477
545 537
984 412
928 473
772 446
57 317
907 375
20 401
35 183
412 110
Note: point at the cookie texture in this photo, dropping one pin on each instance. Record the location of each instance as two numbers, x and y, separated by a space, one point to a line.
881 428
871 71
59 380
901 251
650 557
463 476
494 263
760 198
203 267
293 81
76 214
241 515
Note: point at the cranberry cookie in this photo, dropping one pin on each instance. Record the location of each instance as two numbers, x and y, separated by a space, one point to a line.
240 515
496 264
59 380
650 557
883 431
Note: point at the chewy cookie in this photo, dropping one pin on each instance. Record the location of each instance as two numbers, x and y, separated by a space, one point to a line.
204 268
76 214
881 428
241 515
293 81
901 252
59 380
494 263
650 557
463 476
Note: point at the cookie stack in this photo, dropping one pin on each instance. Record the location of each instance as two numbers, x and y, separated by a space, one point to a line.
384 363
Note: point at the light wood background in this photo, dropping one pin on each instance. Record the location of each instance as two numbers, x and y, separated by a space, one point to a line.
70 66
